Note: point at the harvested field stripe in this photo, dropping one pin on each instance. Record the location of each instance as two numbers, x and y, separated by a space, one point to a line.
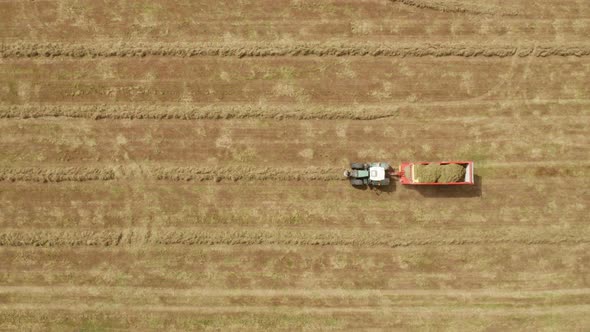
50 50
450 6
212 236
334 292
545 163
317 310
519 169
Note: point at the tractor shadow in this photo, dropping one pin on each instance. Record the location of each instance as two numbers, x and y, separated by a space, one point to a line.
378 190
451 191
386 189
361 188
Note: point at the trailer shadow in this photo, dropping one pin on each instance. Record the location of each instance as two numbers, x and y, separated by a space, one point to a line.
451 191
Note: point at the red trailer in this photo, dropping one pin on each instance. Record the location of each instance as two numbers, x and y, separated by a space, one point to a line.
407 175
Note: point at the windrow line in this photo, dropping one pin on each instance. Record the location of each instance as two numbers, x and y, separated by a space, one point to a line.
41 50
33 174
229 111
61 174
176 236
207 112
465 7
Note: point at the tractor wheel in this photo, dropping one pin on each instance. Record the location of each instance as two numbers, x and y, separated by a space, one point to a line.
357 182
357 166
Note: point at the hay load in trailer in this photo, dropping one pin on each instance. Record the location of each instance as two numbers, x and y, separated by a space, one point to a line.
439 173
436 173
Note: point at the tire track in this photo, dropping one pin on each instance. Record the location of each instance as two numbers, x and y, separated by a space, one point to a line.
282 237
51 50
307 310
120 295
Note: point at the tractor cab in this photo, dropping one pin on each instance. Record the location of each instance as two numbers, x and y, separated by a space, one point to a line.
377 173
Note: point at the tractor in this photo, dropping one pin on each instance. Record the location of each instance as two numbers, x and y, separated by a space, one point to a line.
443 173
369 174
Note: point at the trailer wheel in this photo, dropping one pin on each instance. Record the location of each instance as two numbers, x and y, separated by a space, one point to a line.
357 182
357 166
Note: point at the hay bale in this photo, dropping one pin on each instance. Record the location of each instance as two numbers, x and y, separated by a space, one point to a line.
427 173
452 173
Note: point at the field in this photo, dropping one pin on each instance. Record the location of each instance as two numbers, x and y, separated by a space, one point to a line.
178 165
